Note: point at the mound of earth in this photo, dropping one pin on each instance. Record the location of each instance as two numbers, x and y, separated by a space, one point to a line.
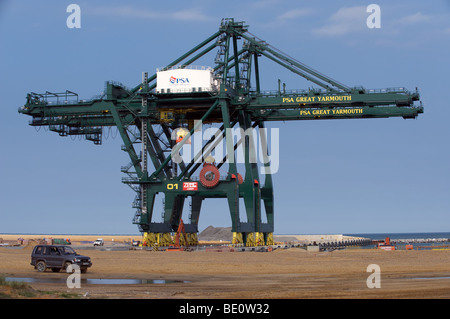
212 233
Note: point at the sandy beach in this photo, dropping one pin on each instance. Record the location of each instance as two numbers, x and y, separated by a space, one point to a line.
280 274
76 239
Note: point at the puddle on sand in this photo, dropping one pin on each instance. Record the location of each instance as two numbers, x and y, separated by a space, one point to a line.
426 278
98 281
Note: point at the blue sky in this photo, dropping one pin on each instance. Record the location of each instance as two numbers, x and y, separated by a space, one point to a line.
340 176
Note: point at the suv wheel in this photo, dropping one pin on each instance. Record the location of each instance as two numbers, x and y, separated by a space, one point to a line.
66 265
41 266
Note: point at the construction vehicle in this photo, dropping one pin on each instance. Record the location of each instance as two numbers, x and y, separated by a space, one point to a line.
386 245
228 95
181 241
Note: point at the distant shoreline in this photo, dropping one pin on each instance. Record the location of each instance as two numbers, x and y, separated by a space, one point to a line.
73 238
65 234
394 234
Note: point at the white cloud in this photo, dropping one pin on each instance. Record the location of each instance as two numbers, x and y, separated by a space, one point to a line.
293 14
190 15
138 13
262 4
344 21
414 18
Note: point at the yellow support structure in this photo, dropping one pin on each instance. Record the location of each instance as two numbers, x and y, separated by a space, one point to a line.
165 239
192 239
237 239
259 239
149 239
144 240
269 239
183 240
251 241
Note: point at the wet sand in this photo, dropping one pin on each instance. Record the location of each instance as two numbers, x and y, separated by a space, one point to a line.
281 274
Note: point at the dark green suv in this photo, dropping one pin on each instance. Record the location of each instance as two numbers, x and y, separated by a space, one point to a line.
57 257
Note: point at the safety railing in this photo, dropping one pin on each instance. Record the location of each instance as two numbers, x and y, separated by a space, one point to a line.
188 67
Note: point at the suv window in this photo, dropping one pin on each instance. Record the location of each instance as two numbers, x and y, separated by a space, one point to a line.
38 250
46 250
54 251
66 251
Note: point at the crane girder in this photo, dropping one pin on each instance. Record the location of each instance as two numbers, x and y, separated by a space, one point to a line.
286 106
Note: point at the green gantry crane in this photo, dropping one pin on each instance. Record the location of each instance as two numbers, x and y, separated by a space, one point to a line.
149 117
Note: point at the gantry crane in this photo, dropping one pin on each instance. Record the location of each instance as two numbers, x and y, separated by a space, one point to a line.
149 117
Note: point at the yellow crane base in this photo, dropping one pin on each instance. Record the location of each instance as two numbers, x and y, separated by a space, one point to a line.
166 239
253 239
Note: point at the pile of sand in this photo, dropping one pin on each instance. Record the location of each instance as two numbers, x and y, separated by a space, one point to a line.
212 233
